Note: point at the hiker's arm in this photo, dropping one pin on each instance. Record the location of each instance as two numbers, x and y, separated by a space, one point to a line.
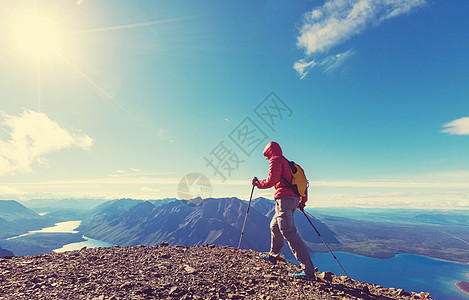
275 173
303 199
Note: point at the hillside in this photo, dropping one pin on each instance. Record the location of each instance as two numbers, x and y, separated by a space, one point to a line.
166 272
194 222
386 239
11 210
4 252
17 219
178 222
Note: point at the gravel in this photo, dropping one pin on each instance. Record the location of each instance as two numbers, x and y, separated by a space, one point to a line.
173 272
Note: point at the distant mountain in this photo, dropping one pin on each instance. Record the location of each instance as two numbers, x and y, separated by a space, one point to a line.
44 205
212 221
79 203
16 219
399 215
62 209
264 206
444 219
4 252
189 222
110 209
386 239
162 201
11 210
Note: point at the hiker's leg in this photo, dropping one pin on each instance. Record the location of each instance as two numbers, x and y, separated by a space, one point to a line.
287 207
276 241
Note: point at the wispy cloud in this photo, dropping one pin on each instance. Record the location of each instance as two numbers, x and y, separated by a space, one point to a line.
29 137
333 62
457 127
303 66
413 200
101 188
134 172
6 190
390 184
336 21
148 189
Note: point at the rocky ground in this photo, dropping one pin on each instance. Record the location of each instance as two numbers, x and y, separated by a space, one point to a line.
167 272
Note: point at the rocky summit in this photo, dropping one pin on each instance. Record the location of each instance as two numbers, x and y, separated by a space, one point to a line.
173 272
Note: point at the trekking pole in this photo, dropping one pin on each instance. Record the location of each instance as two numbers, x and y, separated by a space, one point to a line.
325 243
245 218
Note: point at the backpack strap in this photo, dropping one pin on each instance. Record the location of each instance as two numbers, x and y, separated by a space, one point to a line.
289 184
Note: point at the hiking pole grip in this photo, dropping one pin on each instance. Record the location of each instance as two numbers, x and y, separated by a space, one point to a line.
246 217
325 243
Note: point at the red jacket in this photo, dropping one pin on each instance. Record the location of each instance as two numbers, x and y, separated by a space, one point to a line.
278 168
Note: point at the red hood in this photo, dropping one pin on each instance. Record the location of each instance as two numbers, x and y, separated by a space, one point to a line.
272 149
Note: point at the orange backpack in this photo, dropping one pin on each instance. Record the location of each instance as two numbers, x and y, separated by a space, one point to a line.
299 184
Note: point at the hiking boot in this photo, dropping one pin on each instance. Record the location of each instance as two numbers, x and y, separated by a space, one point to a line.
281 258
302 275
269 258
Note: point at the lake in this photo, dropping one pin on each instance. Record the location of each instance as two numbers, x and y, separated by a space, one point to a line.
88 242
67 227
412 273
61 227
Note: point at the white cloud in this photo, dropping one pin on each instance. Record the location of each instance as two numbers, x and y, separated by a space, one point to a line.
457 127
431 200
134 172
6 190
390 184
302 67
148 189
338 20
31 136
448 190
99 188
333 62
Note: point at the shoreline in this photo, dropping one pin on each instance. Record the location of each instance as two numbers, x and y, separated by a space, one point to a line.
463 285
401 253
441 259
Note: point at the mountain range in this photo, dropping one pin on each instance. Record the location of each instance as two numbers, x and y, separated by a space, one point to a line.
192 222
374 233
47 205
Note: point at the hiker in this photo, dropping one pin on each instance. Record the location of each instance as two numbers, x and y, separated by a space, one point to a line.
286 202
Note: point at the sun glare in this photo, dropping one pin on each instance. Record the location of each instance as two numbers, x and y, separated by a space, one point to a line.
41 36
36 35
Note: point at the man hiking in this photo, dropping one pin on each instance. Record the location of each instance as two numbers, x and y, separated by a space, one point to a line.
286 202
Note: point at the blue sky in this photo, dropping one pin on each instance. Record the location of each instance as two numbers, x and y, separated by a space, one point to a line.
113 99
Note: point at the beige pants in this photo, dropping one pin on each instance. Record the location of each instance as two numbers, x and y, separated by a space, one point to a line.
283 226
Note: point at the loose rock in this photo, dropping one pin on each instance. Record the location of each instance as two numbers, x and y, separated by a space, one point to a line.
166 272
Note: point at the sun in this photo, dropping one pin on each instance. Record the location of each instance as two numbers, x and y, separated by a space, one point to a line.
35 35
45 38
